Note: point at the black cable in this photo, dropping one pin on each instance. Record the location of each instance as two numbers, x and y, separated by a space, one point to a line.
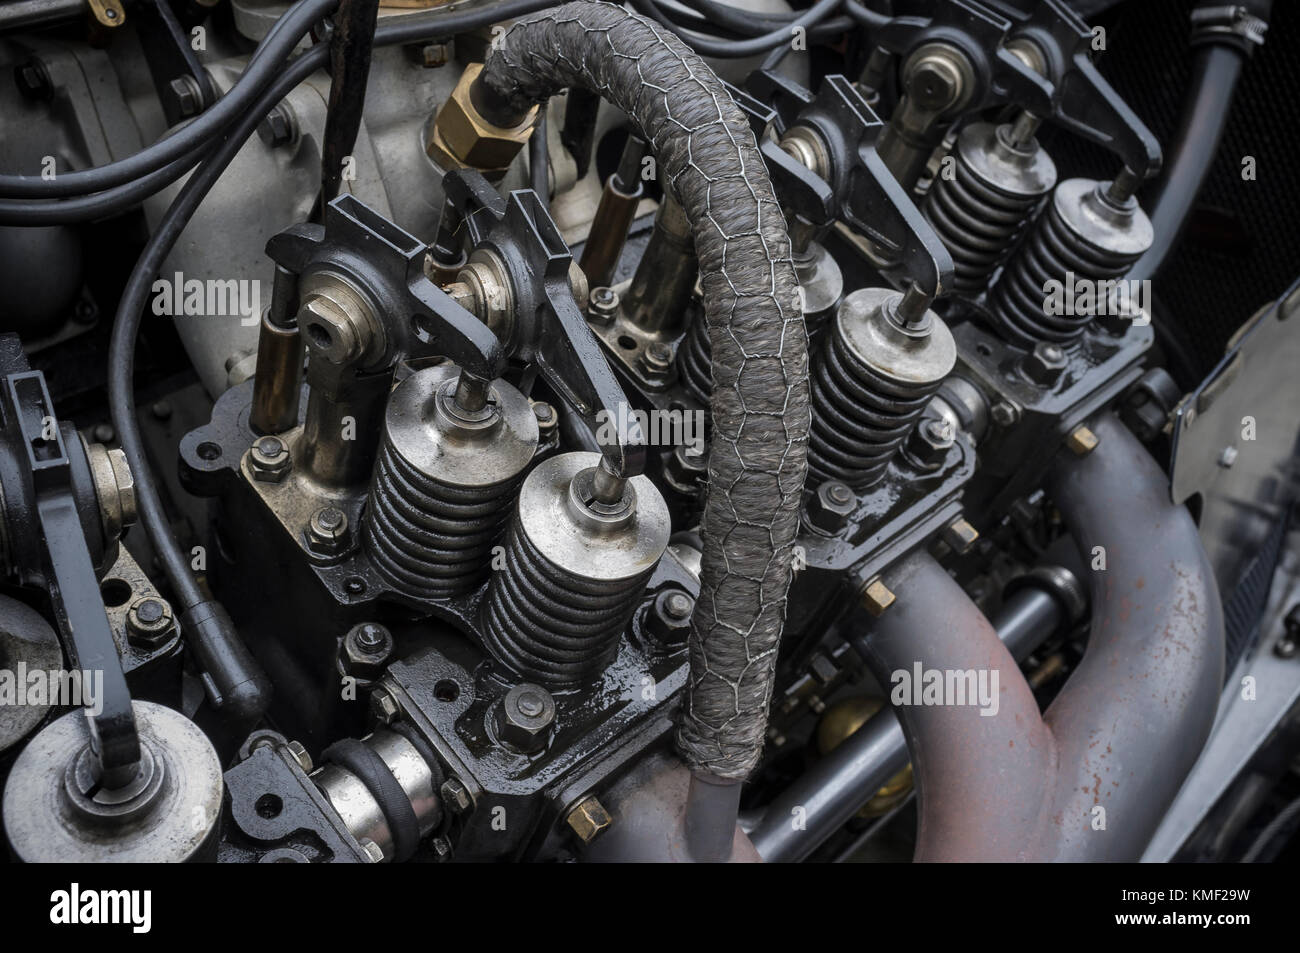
350 49
751 23
735 50
1269 834
97 205
264 66
539 162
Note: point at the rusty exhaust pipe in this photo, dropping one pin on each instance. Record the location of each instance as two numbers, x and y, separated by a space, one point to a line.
1091 779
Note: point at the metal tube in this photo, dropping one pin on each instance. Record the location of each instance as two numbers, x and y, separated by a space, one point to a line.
829 793
613 218
665 277
277 381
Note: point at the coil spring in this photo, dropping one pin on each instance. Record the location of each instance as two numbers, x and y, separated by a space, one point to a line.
427 538
976 220
862 413
694 360
860 418
1054 249
547 625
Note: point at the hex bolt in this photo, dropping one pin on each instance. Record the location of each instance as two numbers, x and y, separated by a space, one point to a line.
1227 457
1044 364
278 128
669 617
547 418
435 55
1082 441
876 597
830 507
441 848
329 532
960 536
525 717
269 460
455 796
384 705
588 819
188 95
366 650
374 853
149 623
657 359
1004 413
300 755
928 443
602 305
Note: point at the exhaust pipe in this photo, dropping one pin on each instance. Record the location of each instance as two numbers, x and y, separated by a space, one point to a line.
1091 779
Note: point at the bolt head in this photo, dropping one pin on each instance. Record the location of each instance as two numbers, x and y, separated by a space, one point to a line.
149 623
669 617
455 796
830 507
588 819
329 533
928 443
277 129
185 91
877 597
269 460
602 305
1045 363
657 359
366 650
1004 413
384 706
525 717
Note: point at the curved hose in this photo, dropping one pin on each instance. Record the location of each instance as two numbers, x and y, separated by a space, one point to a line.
760 396
1091 779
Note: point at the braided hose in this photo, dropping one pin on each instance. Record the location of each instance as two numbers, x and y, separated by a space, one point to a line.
759 346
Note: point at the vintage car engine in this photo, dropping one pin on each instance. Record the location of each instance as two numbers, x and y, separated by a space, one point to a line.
509 430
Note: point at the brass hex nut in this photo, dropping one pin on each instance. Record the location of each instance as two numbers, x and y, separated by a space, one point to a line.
459 137
588 819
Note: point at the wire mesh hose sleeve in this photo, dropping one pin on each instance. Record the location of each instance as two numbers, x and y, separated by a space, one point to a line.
759 346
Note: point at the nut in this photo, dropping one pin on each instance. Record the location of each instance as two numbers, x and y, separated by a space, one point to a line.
366 650
525 716
374 853
299 754
114 489
669 617
435 55
588 819
960 536
459 137
657 359
602 305
455 796
384 705
928 443
269 460
329 532
876 597
831 506
1082 441
149 623
1044 364
687 468
547 418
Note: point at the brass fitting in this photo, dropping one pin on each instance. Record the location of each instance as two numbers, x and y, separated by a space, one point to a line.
459 137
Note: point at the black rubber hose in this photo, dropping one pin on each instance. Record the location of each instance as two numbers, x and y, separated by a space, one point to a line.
759 346
265 65
752 23
1214 83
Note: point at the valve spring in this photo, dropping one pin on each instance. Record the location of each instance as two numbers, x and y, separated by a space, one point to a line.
981 209
1060 246
428 538
549 625
694 361
863 411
